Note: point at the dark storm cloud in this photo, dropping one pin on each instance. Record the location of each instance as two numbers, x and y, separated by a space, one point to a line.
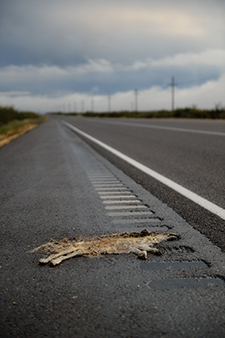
52 46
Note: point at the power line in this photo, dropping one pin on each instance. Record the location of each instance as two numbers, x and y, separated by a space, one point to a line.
109 103
136 99
92 105
208 78
82 106
173 84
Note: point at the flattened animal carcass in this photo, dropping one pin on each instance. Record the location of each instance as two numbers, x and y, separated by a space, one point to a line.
127 242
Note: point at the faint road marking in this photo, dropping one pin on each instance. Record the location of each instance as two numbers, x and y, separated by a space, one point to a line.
196 131
215 209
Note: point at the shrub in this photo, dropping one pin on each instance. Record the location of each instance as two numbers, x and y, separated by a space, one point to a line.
8 113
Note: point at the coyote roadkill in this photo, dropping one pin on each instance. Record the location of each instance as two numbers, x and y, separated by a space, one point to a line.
126 242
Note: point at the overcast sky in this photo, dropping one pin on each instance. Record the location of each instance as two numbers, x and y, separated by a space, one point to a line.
71 54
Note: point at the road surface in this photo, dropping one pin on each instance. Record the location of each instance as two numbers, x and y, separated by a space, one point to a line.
190 153
54 185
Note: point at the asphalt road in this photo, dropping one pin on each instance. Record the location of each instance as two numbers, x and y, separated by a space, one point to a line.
192 159
190 153
48 190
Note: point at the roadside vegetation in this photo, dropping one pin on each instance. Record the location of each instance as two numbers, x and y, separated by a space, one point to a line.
189 112
14 123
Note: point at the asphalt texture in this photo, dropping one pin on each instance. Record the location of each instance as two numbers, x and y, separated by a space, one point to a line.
192 159
46 192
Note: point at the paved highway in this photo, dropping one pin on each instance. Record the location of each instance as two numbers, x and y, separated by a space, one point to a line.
54 185
190 153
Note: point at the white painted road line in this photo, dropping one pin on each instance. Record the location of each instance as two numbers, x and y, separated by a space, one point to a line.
130 213
119 207
101 176
215 209
110 189
132 221
195 131
101 181
97 185
121 202
116 196
113 193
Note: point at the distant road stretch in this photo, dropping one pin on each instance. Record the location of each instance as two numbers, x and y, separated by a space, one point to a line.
189 153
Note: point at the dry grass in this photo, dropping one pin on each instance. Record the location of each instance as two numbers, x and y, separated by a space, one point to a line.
134 242
15 128
11 135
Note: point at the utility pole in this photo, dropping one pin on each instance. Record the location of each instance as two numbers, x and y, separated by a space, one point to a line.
92 105
75 107
109 103
82 106
136 99
173 84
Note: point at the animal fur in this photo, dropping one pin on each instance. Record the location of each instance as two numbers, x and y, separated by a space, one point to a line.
134 242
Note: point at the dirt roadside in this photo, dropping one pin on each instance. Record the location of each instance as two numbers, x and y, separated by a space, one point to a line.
13 134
